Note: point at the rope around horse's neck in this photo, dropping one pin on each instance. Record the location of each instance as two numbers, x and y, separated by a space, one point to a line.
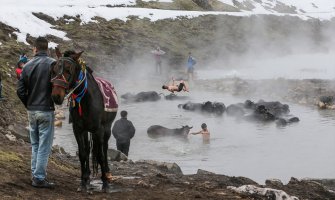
83 68
81 81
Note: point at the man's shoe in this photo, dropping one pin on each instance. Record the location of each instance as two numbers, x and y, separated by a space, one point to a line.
42 183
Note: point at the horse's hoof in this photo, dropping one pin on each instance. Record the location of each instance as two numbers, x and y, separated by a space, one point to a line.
82 189
105 188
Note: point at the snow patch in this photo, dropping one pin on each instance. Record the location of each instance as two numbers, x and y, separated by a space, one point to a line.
266 192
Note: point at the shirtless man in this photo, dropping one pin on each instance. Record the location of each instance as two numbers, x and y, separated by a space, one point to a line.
204 132
176 88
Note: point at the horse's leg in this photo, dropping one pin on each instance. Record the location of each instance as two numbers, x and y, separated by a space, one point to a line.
102 157
107 135
84 152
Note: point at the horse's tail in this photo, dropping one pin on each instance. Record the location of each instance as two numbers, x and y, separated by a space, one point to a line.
94 153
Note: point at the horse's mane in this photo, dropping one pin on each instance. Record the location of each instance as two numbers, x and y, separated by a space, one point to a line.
68 53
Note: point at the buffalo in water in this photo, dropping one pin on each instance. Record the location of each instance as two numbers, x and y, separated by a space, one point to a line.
161 131
262 111
141 97
217 108
175 97
326 102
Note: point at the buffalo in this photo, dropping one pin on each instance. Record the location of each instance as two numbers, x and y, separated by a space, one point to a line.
141 97
262 111
161 131
216 108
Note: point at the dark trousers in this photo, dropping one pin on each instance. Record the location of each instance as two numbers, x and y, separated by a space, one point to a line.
123 147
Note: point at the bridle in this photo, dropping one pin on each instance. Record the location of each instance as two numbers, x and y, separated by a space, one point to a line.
60 80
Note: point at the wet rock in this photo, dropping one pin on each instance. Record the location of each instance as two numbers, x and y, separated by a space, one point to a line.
294 181
10 137
58 149
115 155
58 123
274 183
171 168
21 132
21 141
204 172
60 116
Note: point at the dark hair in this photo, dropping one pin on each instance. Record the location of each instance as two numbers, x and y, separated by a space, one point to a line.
164 87
203 125
124 114
41 43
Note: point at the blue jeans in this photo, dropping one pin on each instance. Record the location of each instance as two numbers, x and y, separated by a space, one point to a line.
41 137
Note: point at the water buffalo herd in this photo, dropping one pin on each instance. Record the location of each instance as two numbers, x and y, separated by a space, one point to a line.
150 96
265 111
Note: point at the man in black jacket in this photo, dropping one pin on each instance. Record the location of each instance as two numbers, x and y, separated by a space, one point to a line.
123 130
34 90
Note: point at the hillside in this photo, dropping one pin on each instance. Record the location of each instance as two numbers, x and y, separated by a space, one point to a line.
118 35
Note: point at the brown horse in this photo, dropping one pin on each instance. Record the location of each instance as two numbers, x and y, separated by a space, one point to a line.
87 112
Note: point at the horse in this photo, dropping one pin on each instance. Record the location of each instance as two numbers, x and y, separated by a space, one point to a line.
71 76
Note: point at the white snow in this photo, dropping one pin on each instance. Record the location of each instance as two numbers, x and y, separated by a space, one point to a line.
19 15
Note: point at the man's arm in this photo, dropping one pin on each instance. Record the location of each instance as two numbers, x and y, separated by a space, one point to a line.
21 90
131 129
196 133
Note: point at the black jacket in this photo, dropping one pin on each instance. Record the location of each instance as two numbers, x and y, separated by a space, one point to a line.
34 87
123 130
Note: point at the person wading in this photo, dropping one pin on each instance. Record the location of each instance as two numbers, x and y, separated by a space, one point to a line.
123 130
34 90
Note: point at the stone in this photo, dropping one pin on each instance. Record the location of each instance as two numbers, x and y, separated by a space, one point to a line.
273 183
60 116
10 137
204 172
58 123
171 168
115 155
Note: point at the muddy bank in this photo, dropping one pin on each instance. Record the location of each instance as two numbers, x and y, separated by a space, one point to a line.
142 179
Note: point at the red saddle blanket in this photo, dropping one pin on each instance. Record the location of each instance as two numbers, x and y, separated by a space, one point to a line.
108 92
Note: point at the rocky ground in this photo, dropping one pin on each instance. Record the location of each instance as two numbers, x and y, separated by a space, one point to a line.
155 180
141 180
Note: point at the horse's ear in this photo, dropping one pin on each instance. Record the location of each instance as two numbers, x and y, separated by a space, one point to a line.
76 56
58 53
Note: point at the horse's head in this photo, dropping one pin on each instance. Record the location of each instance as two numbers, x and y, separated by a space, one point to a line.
64 74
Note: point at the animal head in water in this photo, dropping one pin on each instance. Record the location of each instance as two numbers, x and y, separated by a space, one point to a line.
186 129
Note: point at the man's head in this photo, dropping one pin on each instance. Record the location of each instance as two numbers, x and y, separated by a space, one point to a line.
41 44
164 87
124 114
203 126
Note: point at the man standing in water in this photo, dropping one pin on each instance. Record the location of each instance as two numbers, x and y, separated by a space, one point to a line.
34 90
123 130
204 132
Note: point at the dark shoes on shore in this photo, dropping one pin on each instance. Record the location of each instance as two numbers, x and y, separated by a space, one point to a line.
42 183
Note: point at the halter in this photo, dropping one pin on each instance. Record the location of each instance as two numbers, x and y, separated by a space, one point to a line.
59 80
